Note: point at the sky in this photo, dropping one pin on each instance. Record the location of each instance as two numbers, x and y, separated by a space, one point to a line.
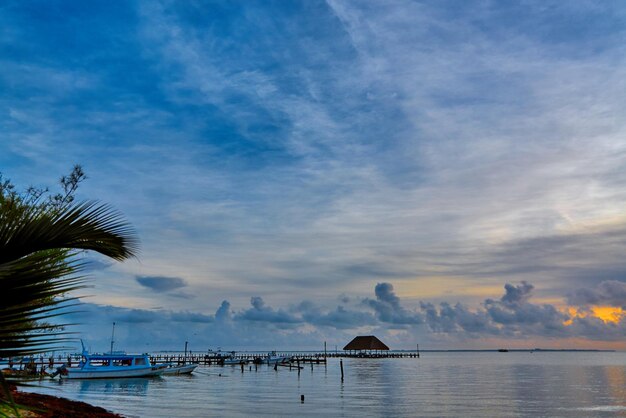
443 173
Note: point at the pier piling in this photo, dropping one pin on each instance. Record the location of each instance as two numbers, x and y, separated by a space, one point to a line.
341 365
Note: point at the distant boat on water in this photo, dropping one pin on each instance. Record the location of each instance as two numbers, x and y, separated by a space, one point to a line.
503 350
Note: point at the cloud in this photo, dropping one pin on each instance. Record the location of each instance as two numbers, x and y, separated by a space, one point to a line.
388 308
512 317
458 319
516 295
223 312
607 292
338 318
261 312
161 284
333 146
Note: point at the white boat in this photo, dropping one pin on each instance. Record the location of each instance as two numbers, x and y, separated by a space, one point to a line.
273 358
111 365
179 369
234 361
231 360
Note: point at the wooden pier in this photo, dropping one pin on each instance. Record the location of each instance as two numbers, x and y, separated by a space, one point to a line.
261 358
38 364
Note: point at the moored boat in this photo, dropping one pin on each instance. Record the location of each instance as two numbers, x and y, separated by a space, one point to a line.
273 358
112 365
173 369
234 361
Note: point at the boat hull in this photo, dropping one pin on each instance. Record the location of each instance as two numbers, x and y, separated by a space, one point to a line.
174 370
277 360
112 374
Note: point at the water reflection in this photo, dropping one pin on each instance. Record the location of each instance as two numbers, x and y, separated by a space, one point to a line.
437 385
137 387
127 386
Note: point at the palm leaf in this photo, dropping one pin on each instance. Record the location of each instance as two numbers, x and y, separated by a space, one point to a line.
38 267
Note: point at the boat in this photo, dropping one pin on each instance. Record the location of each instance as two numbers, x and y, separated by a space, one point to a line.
111 365
178 368
172 369
234 361
273 358
231 360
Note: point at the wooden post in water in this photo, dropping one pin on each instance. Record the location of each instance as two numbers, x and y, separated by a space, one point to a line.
418 351
241 367
112 337
341 365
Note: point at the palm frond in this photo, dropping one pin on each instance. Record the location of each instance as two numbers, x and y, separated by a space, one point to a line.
86 226
38 267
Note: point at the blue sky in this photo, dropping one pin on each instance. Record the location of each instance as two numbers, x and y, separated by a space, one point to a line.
440 172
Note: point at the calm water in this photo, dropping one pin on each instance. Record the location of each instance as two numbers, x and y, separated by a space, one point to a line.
436 385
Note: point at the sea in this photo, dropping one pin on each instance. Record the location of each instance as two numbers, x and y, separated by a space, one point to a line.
438 384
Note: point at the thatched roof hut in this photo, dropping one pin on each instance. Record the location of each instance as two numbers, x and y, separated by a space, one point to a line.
365 342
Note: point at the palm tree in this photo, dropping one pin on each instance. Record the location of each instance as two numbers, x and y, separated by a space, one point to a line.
39 266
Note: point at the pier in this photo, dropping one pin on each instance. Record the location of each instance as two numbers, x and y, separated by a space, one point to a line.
36 365
261 357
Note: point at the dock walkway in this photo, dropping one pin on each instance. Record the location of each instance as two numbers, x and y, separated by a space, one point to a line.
40 363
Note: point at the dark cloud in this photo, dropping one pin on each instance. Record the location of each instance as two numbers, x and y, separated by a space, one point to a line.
136 316
388 309
608 292
516 295
161 284
191 317
512 316
261 312
457 318
339 318
223 312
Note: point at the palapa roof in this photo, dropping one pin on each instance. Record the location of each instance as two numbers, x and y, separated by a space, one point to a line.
366 342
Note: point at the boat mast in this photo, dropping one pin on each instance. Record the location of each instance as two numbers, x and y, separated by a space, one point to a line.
112 337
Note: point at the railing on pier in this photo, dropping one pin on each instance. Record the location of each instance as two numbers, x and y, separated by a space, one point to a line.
295 356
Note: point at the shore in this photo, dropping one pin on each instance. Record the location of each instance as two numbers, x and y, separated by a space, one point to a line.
55 407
